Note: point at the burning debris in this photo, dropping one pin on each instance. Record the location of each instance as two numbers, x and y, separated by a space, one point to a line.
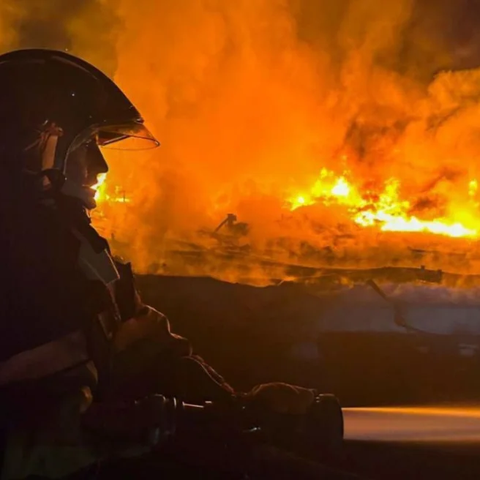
383 208
232 250
236 229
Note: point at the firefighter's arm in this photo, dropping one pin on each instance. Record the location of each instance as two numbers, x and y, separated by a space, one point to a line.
148 323
140 321
143 321
281 398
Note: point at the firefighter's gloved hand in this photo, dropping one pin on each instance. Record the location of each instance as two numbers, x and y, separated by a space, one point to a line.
152 325
282 398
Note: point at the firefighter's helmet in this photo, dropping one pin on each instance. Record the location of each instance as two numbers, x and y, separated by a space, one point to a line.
56 110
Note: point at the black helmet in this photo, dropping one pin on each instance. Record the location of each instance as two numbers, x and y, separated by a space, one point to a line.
52 104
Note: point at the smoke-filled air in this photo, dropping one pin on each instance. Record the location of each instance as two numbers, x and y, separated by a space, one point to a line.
343 133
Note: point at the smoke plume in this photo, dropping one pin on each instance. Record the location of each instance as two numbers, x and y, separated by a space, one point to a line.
87 28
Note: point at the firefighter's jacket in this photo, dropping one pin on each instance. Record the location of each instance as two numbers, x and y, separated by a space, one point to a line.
64 316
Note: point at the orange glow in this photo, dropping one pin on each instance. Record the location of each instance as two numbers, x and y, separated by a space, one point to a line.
102 195
99 187
472 188
388 212
341 188
329 128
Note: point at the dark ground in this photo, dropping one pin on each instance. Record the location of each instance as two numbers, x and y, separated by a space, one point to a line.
248 334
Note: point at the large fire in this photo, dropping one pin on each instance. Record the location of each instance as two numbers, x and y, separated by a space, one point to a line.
340 134
382 208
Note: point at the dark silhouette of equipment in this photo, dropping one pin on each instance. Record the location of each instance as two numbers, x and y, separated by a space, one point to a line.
399 317
248 436
231 225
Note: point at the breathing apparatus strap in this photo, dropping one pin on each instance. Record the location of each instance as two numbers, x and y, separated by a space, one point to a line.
99 268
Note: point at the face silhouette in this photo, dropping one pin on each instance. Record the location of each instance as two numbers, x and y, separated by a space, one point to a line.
85 164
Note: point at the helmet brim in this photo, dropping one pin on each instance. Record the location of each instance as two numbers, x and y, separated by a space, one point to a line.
121 136
131 136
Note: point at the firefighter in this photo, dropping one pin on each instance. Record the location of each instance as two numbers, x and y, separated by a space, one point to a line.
74 333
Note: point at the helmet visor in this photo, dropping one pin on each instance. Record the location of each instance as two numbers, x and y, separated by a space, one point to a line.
133 136
128 136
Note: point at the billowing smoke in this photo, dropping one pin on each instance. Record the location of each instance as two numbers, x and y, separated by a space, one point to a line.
251 99
87 28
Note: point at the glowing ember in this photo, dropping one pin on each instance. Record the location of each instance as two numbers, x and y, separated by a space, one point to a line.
388 212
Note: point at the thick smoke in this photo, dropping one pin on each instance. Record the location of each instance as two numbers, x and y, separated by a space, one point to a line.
87 28
251 99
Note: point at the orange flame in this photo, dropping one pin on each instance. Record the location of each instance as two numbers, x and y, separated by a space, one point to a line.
388 212
101 194
99 187
248 113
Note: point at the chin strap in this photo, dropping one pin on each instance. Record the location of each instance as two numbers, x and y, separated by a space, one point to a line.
96 263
